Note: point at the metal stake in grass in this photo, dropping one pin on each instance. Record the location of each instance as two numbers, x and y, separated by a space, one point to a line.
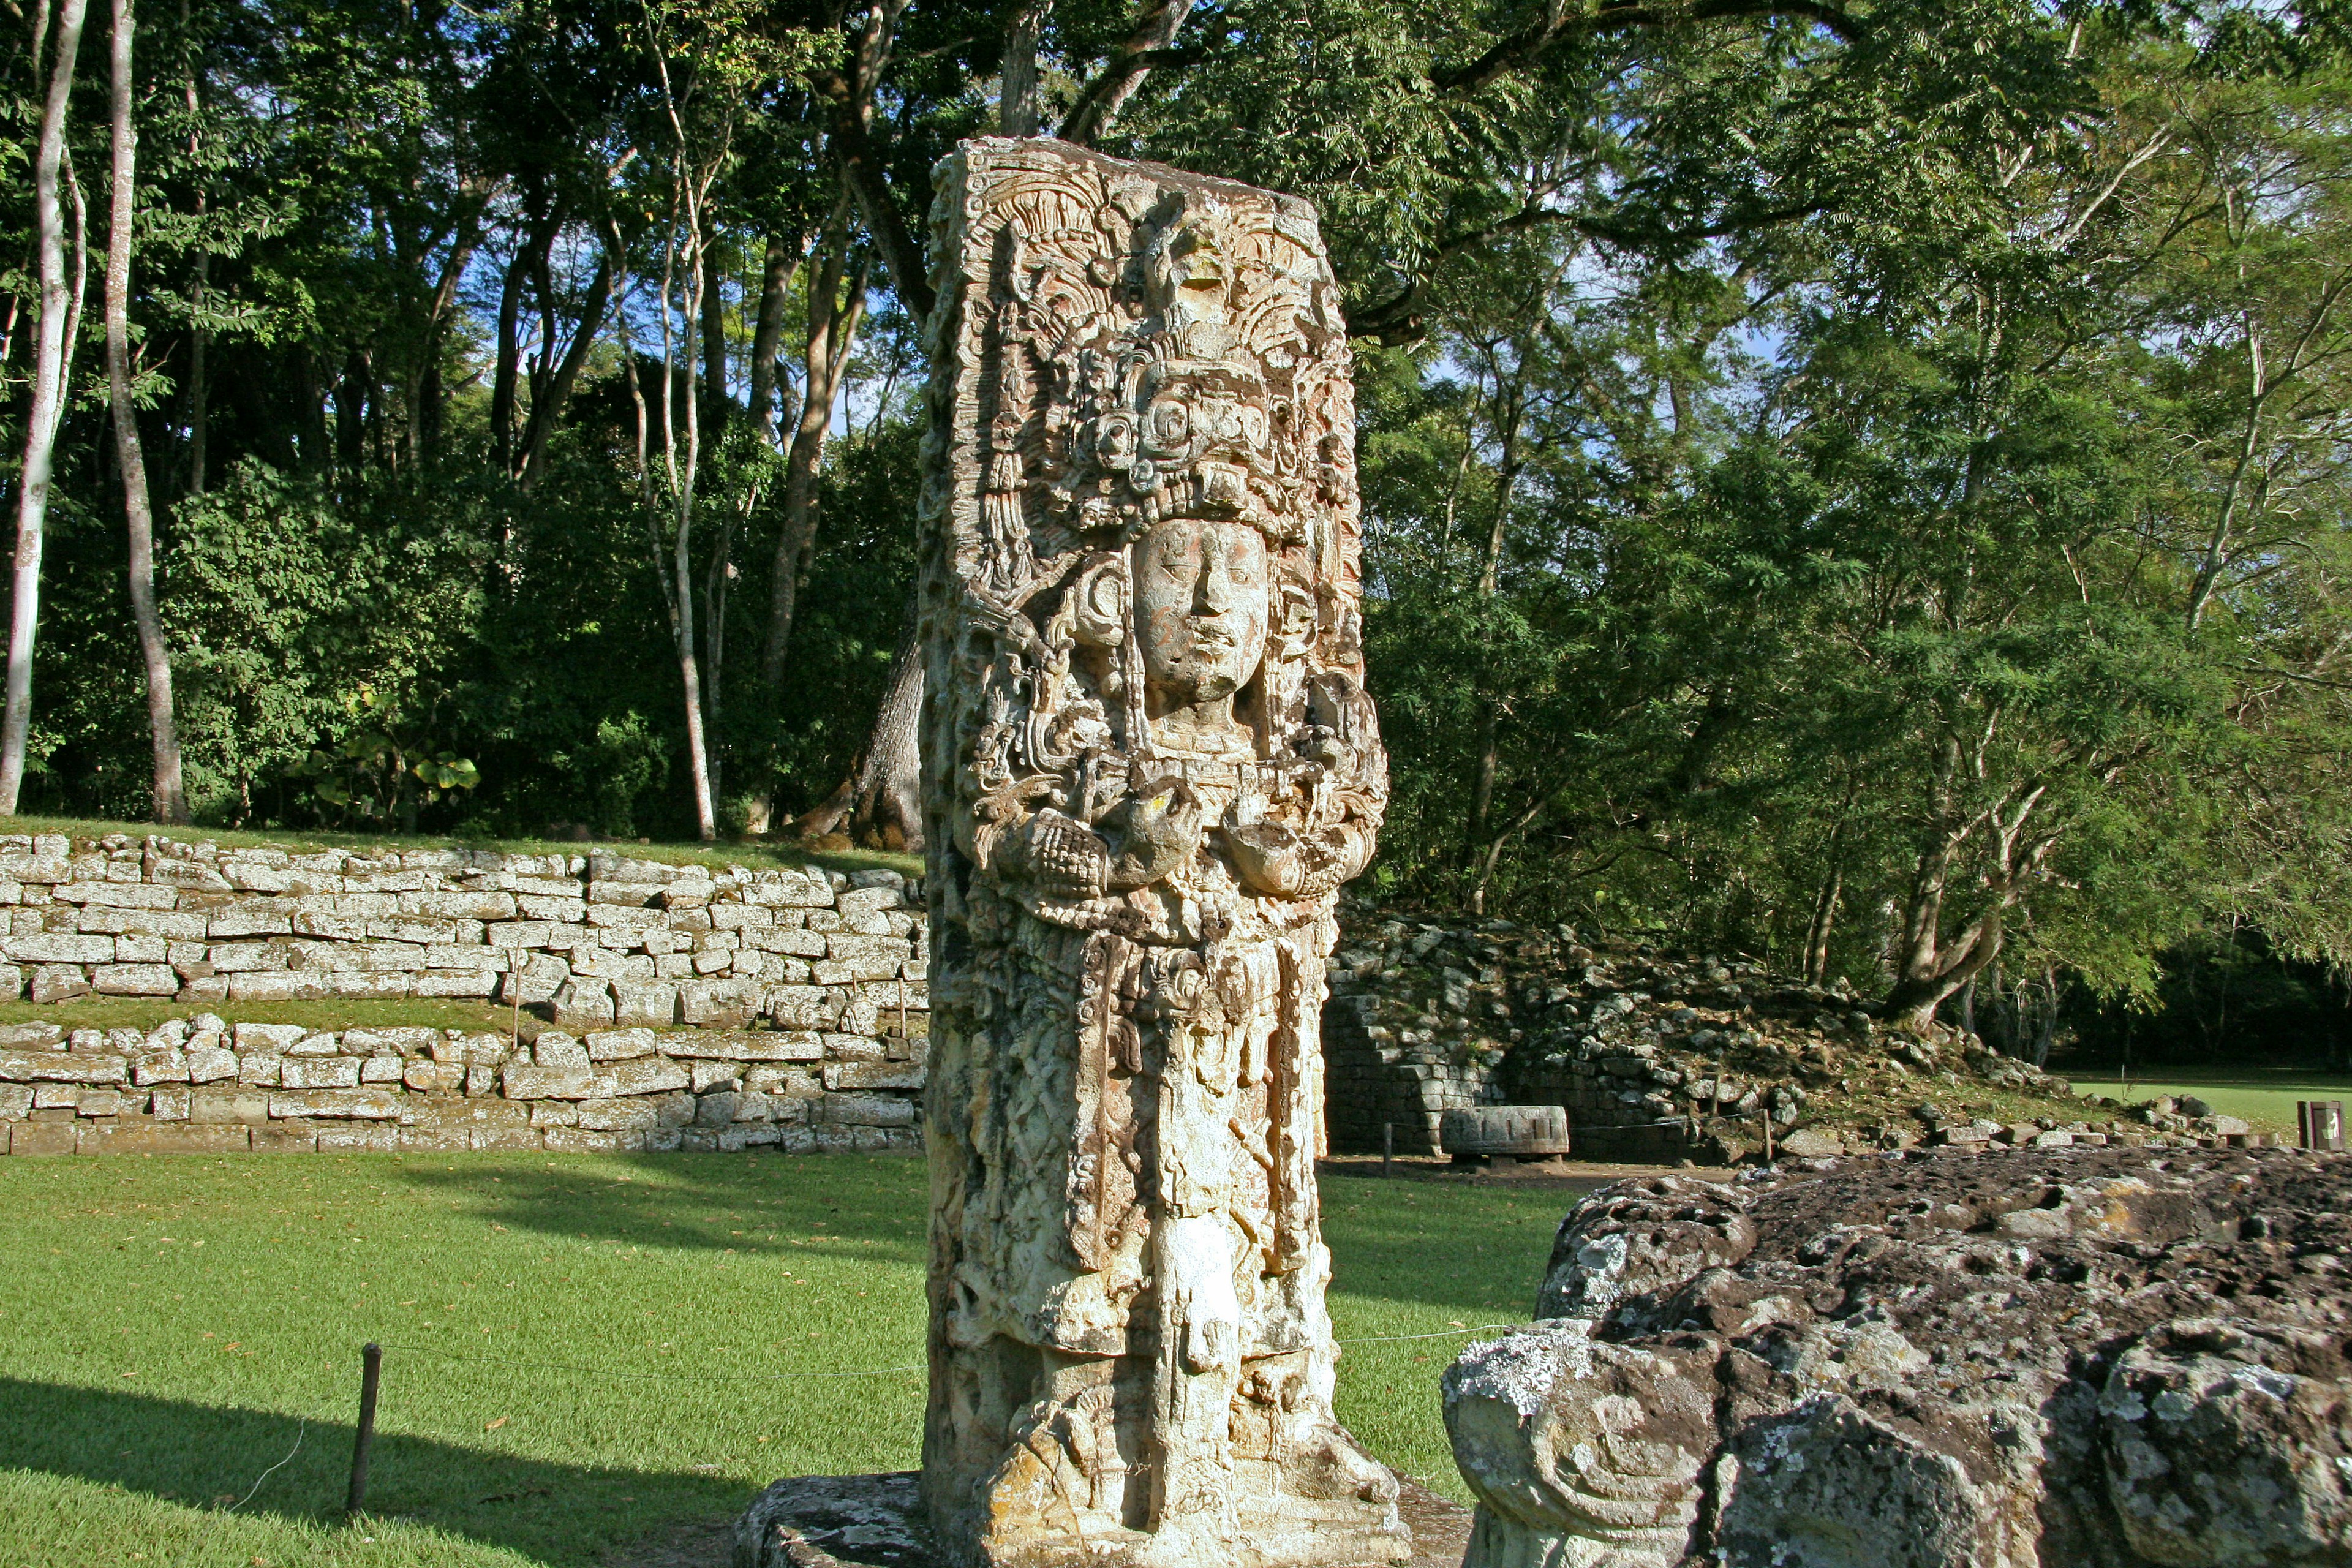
370 1366
1388 1145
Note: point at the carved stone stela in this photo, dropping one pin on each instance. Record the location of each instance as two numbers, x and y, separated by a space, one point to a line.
1150 762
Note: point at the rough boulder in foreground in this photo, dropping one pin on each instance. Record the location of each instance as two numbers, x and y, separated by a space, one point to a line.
2039 1359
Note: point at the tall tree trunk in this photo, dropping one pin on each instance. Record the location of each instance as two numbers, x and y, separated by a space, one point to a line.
507 371
170 795
547 405
1480 840
880 803
833 329
782 261
1016 110
60 308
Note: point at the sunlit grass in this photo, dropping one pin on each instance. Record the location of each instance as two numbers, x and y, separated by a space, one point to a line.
2264 1100
580 1350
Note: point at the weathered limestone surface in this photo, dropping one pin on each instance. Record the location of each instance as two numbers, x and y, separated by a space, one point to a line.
1149 764
2037 1358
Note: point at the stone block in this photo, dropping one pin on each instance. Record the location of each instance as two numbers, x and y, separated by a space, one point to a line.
119 895
789 890
873 1074
16 1101
255 917
569 912
210 1063
540 977
840 1047
62 1067
645 1075
547 1113
151 1066
320 1044
579 1140
170 1138
434 1078
358 1138
845 1109
784 1083
356 1104
791 939
486 905
556 1049
435 1140
286 1138
636 1003
708 1076
718 1004
452 983
170 1103
58 947
322 1072
142 950
54 982
799 1006
747 1135
220 1105
32 1037
275 985
663 1140
583 1003
520 1082
620 1045
749 1044
42 1137
617 1115
409 1041
248 957
469 1114
508 1138
267 1037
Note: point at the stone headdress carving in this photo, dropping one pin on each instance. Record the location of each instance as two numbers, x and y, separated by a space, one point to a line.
1150 762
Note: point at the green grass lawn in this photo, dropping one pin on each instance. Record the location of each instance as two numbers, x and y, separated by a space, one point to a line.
2265 1098
581 1352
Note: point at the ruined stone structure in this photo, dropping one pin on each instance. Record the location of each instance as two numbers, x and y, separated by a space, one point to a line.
2044 1358
1149 764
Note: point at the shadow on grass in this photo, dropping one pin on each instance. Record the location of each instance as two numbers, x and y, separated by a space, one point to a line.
1417 1243
854 1207
204 1457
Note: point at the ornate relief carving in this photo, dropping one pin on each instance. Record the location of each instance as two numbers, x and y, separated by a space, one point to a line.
1148 765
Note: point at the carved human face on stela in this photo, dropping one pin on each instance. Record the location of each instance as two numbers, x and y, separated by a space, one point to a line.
1200 597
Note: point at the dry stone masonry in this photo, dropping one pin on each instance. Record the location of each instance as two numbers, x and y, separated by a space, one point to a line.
669 1006
1660 1056
1149 764
2063 1358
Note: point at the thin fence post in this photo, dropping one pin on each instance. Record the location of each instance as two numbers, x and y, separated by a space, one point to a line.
1388 1145
371 1368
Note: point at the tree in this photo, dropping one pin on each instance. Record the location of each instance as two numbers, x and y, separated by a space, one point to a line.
58 304
171 795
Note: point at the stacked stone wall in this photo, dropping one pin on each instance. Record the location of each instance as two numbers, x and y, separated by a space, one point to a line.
656 1006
